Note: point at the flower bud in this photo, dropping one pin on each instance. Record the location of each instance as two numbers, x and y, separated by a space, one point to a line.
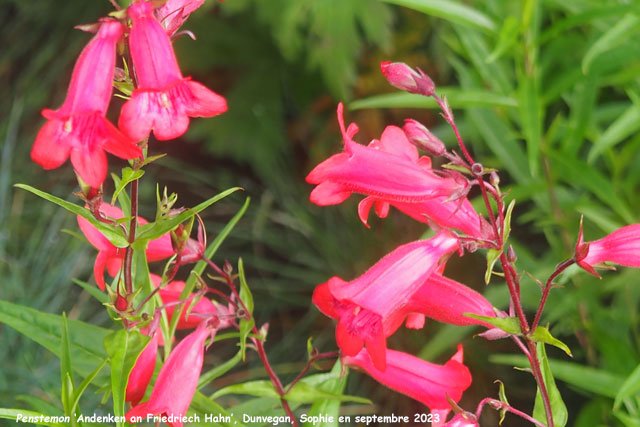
403 77
422 138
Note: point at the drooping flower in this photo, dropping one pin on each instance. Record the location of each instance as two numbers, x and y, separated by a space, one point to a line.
203 309
177 381
438 298
423 381
391 172
620 247
389 169
142 371
403 77
109 257
367 308
79 128
164 99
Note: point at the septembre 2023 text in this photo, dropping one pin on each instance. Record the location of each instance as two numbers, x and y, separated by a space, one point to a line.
245 418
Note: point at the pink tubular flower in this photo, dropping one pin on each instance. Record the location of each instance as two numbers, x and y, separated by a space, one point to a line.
79 127
389 169
438 298
403 77
391 172
367 307
177 381
620 247
425 382
164 100
142 372
109 256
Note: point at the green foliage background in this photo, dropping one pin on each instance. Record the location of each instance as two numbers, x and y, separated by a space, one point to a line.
547 91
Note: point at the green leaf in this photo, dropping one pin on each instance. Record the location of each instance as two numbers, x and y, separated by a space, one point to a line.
123 198
156 229
558 408
128 176
507 38
510 325
457 98
578 173
451 11
629 388
204 406
124 348
13 414
246 325
329 408
503 398
621 31
114 235
627 124
93 291
492 258
597 381
217 242
531 117
506 231
219 370
66 375
77 394
542 334
46 329
259 388
303 392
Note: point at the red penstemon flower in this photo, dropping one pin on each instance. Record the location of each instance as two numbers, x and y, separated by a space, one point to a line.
391 172
620 247
79 128
142 371
164 99
367 307
198 312
109 256
177 381
423 381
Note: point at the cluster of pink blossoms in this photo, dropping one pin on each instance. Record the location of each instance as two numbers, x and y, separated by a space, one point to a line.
162 101
408 284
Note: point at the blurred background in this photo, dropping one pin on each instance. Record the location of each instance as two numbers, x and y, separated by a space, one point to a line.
546 91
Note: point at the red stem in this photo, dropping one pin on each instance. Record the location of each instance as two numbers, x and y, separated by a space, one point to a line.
310 362
547 288
277 384
497 404
510 274
128 255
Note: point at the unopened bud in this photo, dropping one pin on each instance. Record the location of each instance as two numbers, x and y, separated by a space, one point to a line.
121 303
227 267
422 138
494 179
403 77
511 255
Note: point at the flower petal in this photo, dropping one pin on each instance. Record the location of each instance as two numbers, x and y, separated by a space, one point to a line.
51 148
